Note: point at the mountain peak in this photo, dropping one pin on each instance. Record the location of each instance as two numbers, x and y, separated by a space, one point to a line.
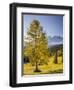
55 40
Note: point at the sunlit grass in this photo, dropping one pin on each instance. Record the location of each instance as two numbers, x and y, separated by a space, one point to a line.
51 68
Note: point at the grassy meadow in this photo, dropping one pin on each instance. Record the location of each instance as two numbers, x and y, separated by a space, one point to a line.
50 68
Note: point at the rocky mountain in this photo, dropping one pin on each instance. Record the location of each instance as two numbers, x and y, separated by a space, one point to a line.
56 40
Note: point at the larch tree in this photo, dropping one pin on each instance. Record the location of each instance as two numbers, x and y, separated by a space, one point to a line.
36 49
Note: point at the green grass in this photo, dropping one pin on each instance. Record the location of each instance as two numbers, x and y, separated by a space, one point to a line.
51 68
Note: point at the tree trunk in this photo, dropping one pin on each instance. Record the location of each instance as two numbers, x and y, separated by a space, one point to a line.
56 59
62 58
36 68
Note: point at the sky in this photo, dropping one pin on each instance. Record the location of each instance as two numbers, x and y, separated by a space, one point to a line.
52 24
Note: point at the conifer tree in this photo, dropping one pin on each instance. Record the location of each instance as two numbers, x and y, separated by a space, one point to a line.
36 49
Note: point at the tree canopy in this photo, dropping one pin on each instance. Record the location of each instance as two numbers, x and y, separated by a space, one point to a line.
36 46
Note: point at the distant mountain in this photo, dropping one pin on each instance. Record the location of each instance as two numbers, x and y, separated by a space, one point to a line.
56 40
56 47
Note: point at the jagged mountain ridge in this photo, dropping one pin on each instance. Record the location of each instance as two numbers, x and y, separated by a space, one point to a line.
56 40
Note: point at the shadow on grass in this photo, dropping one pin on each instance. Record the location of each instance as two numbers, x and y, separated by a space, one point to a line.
52 72
59 71
56 71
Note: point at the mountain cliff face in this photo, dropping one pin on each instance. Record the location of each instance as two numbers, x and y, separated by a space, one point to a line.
56 40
